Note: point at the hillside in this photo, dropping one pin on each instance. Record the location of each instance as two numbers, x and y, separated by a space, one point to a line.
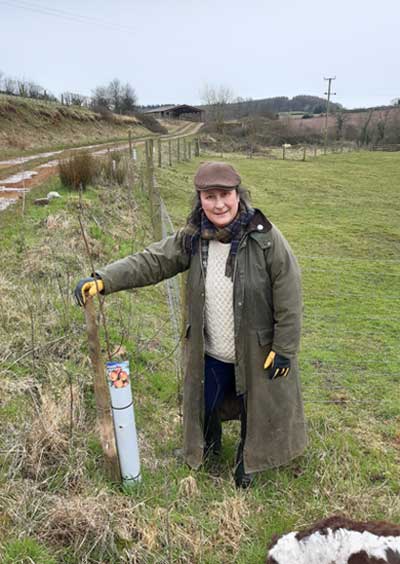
275 105
30 125
377 125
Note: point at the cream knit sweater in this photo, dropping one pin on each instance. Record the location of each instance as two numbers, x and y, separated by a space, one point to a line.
219 337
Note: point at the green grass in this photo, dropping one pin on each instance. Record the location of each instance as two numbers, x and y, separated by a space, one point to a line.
340 215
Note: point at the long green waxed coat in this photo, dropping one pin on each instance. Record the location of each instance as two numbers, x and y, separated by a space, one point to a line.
267 315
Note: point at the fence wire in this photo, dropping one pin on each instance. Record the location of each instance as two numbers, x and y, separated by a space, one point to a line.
174 301
350 344
350 351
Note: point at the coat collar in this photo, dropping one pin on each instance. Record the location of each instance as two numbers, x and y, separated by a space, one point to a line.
259 223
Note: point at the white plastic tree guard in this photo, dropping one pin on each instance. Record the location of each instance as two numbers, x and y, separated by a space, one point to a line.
124 420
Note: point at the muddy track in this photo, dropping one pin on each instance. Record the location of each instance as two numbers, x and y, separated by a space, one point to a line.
12 187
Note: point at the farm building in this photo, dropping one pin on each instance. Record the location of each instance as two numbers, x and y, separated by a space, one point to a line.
177 112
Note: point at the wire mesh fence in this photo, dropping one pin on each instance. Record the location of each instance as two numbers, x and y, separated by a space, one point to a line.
350 352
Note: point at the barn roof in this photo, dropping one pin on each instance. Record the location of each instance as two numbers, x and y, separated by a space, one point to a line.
169 108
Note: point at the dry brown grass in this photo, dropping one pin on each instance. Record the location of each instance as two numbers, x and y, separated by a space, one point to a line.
80 170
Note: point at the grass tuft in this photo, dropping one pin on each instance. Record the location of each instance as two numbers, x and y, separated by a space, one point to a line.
79 170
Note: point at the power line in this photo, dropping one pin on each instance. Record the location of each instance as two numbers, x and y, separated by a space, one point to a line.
327 108
62 14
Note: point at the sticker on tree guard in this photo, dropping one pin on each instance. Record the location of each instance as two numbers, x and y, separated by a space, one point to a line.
118 375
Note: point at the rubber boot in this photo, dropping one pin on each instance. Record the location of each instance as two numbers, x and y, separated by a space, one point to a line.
242 479
212 434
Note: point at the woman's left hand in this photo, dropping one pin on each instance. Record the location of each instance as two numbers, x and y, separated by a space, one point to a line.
277 365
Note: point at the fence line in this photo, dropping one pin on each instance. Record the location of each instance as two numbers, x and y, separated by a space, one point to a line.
364 372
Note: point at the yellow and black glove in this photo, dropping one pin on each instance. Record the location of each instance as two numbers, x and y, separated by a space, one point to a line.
278 366
87 287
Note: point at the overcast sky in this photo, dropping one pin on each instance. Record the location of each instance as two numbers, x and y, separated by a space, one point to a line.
169 49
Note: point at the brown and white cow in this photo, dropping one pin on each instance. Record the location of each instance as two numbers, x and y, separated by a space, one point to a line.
338 540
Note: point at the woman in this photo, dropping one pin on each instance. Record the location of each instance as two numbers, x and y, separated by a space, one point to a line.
243 312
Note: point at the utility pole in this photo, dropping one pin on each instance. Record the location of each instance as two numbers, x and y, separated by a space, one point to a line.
329 79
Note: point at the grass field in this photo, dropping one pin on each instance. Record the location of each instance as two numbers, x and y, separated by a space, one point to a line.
340 214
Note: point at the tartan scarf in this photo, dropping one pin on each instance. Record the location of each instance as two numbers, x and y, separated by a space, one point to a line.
199 231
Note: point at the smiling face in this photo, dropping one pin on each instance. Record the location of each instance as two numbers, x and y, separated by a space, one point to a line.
220 206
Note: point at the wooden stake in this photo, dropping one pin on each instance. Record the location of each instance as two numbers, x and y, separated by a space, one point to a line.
178 150
190 150
130 145
196 147
159 153
169 152
102 395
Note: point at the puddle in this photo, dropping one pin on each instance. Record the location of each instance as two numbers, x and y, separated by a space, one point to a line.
19 177
50 164
22 160
4 189
5 202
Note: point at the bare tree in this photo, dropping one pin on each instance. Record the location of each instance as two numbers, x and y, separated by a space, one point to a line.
341 120
217 99
74 99
10 85
128 99
116 97
100 97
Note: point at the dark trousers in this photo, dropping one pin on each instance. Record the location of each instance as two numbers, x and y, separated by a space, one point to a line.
219 381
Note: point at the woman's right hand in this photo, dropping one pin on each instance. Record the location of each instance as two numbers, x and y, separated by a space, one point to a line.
87 287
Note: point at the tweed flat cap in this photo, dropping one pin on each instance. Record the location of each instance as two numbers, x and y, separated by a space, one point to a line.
216 175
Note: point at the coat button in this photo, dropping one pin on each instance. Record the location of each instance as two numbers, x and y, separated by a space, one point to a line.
260 227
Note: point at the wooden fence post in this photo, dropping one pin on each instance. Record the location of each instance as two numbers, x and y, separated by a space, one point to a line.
130 145
304 153
169 152
159 153
153 192
283 152
190 149
184 150
178 149
156 218
102 395
196 147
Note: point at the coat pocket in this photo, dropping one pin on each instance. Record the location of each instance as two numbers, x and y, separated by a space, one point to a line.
264 337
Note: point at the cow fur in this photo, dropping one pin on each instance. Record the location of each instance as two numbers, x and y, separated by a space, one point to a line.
339 540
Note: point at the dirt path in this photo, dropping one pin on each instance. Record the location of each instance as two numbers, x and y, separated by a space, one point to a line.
13 187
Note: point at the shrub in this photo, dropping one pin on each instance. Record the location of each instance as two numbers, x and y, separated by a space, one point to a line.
103 112
150 123
81 169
